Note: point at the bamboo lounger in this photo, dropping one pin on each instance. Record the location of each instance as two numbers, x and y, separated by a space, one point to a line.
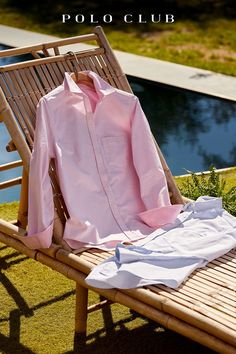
204 307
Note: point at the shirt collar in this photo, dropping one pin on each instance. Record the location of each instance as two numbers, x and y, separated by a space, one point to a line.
204 203
101 86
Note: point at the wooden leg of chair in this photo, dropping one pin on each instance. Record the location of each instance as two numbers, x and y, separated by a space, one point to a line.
107 316
80 317
23 206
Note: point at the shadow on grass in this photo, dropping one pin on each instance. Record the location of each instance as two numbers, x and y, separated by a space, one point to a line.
3 248
53 300
4 265
148 338
11 344
7 346
22 305
10 287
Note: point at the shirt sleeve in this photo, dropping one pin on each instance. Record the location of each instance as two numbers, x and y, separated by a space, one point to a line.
152 180
41 206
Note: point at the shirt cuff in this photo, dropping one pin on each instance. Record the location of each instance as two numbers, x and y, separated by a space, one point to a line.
158 217
40 239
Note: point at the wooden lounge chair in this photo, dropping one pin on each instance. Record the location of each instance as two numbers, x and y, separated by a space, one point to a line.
204 307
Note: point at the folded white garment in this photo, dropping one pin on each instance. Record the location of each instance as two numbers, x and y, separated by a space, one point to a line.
203 232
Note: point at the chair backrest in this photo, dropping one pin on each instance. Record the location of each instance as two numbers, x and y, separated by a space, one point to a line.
24 83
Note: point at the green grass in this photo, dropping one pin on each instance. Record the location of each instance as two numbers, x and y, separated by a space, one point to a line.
229 175
208 44
204 45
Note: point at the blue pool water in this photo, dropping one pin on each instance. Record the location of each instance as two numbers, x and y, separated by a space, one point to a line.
193 130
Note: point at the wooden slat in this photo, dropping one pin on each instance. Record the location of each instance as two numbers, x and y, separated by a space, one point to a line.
48 76
45 51
210 289
215 296
13 128
205 302
17 105
35 90
80 63
216 276
35 54
100 256
45 83
51 73
99 305
39 89
97 67
225 279
11 146
198 306
206 275
221 270
226 259
65 66
51 44
10 183
225 265
94 258
112 73
87 258
46 60
92 65
9 165
56 50
58 74
214 285
21 79
87 63
109 77
31 87
19 93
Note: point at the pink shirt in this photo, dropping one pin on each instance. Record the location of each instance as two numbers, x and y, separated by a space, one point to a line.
109 171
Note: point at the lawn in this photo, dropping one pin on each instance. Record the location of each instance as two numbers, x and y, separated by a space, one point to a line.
208 43
229 175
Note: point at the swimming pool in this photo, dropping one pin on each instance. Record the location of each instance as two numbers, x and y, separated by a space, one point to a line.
193 130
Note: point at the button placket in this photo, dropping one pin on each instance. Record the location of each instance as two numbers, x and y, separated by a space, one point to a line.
90 117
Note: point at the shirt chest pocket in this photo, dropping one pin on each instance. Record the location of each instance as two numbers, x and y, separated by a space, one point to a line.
116 152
